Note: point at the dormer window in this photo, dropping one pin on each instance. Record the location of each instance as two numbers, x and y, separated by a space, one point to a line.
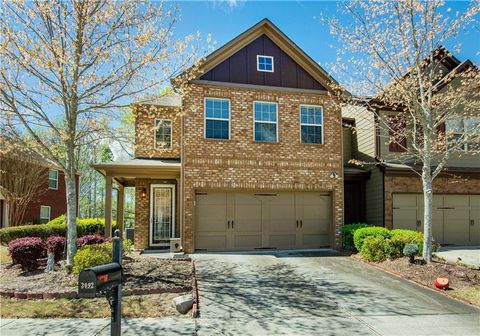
264 63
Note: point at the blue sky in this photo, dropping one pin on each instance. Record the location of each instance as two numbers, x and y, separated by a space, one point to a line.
297 19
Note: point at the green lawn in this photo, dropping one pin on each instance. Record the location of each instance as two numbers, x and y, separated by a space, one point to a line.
471 294
155 305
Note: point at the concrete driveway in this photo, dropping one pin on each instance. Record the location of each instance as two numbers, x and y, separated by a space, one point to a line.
319 294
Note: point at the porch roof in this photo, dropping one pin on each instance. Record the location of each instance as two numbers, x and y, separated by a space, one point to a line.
125 172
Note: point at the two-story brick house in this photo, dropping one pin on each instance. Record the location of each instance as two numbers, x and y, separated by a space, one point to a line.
248 157
393 191
51 200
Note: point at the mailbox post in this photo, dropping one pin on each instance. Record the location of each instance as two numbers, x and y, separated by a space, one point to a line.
107 280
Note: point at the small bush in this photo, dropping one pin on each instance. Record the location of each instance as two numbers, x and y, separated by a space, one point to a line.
127 247
360 235
26 252
90 240
410 250
92 255
402 237
347 232
376 248
56 246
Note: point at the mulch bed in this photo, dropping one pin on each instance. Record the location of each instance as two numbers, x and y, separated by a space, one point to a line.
459 277
142 274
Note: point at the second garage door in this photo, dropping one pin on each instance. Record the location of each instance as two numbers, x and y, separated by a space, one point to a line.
456 218
251 220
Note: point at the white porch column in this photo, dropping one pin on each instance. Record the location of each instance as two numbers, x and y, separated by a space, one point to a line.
108 206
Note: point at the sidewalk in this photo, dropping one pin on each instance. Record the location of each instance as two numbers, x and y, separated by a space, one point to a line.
96 327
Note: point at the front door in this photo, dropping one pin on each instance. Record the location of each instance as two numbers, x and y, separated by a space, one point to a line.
162 210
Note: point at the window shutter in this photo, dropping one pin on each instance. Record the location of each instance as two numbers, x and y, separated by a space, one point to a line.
400 142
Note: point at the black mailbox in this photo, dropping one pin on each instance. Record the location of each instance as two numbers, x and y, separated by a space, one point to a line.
99 278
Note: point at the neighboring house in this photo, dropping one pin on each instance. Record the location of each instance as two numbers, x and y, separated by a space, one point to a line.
249 157
392 192
50 203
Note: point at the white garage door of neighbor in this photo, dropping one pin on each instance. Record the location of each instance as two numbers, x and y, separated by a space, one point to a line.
250 220
456 218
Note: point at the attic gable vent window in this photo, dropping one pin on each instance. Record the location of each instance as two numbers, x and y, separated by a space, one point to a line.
264 63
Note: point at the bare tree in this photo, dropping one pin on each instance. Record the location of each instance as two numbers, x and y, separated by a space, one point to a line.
395 56
66 66
22 179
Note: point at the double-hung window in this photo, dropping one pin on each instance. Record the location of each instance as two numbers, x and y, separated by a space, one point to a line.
265 120
163 133
264 63
311 124
465 128
217 118
53 179
44 214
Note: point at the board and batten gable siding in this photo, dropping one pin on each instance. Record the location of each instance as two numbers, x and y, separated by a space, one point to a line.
241 68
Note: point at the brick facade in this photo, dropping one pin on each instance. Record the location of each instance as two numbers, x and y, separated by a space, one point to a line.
56 199
413 184
242 164
145 116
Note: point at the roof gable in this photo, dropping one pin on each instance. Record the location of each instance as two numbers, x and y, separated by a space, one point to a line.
241 67
267 37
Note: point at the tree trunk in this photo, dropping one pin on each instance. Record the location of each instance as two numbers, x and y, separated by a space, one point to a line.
71 214
427 213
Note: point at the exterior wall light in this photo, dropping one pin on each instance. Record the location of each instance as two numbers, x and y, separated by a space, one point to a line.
333 175
143 192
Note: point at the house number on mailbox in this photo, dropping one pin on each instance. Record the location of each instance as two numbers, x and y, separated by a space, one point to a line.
86 285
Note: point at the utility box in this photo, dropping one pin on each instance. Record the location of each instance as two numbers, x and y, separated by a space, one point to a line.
175 245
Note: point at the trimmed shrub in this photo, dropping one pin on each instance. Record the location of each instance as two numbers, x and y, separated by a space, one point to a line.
410 250
360 235
347 232
56 227
90 240
376 248
402 237
26 252
92 255
56 246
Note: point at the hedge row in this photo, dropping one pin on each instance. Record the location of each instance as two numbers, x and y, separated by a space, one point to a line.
56 227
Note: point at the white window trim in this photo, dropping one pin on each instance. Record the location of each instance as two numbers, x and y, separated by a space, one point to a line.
308 124
465 145
258 63
155 133
265 122
49 212
56 188
222 119
174 200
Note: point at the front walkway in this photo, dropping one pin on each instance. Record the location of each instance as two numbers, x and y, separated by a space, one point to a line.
468 255
308 294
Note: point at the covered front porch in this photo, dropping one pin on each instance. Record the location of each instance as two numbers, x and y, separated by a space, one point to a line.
158 201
